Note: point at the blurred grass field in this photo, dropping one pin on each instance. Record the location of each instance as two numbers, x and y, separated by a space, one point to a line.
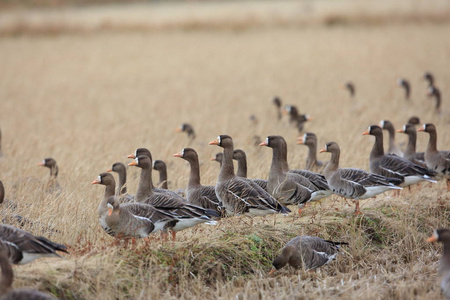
88 99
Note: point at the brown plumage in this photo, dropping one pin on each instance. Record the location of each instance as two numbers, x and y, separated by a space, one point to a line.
410 151
241 158
122 191
309 139
443 235
218 157
403 83
389 127
350 88
189 129
52 184
161 167
295 118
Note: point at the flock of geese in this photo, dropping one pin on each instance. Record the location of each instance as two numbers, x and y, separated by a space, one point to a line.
155 209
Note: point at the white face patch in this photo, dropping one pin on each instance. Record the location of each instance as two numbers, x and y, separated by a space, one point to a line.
182 153
382 123
399 81
435 234
219 139
136 160
404 128
43 162
304 137
267 141
99 178
110 206
181 127
368 129
424 126
154 163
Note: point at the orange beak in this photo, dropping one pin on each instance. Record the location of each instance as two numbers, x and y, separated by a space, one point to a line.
212 159
133 163
400 131
264 144
432 238
41 164
110 210
131 156
109 170
96 181
177 155
273 270
366 132
310 119
178 129
300 141
215 142
323 150
421 129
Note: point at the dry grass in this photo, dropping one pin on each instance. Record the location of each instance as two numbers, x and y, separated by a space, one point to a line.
88 101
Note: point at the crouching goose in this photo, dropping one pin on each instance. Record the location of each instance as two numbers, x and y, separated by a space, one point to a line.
52 184
352 183
410 151
198 194
239 195
443 235
241 158
121 171
394 166
308 252
6 280
436 160
309 139
23 247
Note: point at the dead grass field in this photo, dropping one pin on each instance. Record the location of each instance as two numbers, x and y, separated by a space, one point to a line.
88 100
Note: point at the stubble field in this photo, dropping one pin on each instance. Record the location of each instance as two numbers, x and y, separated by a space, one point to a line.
89 99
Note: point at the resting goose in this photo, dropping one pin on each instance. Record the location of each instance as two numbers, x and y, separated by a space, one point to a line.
121 171
239 195
161 167
188 214
410 151
23 247
403 83
6 280
438 161
218 158
277 102
241 158
352 183
393 166
52 184
185 127
443 235
351 88
198 194
389 127
434 92
309 139
308 252
287 187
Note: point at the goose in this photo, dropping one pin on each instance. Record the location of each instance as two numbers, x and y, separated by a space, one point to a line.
239 195
309 139
434 92
410 151
218 157
129 217
186 127
389 127
23 247
309 252
295 118
188 215
403 83
351 88
241 158
438 161
7 278
198 194
443 235
277 102
161 167
393 166
353 183
122 192
427 76
52 184
414 120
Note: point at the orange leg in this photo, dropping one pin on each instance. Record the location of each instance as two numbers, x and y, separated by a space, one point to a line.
174 235
357 211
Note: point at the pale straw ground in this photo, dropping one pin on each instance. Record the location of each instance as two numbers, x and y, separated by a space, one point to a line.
88 99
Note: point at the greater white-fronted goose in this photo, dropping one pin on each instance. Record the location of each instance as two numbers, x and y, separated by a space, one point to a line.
410 151
277 102
443 235
350 88
241 158
434 92
188 214
7 278
30 247
389 127
52 184
428 77
414 120
310 140
239 195
393 166
121 171
108 181
161 167
198 194
438 161
288 187
352 183
403 83
308 252
218 157
295 118
188 128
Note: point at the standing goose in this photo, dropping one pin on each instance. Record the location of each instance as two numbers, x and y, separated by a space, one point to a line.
241 158
287 187
161 167
186 127
309 252
25 247
443 235
428 77
188 215
295 118
277 102
351 88
393 149
121 171
410 151
436 160
52 184
310 140
434 92
239 195
352 183
198 194
403 83
218 158
6 280
394 166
